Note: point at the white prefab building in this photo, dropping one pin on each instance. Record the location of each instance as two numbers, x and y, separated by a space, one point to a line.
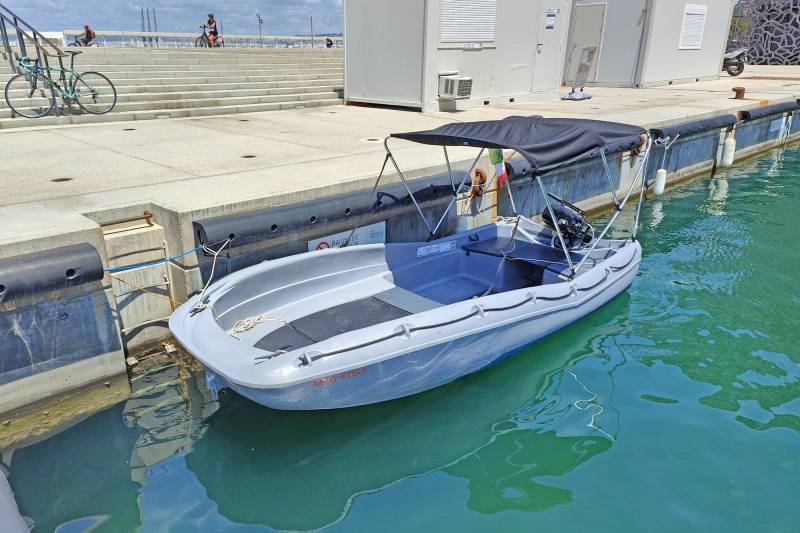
448 54
642 43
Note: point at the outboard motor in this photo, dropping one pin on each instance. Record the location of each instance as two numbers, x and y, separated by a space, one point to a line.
572 222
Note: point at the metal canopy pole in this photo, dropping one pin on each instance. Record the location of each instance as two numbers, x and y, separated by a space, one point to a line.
639 203
639 172
555 224
608 175
449 170
405 184
511 199
455 193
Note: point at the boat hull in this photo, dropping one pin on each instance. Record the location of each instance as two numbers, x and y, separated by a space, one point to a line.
430 367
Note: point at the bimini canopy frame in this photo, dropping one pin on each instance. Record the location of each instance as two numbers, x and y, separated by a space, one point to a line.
547 144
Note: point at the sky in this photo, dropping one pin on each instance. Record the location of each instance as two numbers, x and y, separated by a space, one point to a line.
287 17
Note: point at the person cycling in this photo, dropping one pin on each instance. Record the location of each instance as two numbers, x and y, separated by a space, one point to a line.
88 36
213 34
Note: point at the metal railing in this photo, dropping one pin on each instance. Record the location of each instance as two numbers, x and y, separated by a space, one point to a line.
148 39
25 35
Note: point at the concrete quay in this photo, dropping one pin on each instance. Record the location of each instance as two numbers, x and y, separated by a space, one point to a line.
301 174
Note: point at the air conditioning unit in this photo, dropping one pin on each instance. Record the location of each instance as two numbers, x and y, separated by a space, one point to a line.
455 87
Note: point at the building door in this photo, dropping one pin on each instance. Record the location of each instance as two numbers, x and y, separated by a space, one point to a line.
587 30
551 39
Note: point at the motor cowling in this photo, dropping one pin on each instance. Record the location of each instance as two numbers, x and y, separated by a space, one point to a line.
572 223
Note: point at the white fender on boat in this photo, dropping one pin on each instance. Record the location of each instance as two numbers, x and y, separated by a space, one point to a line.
660 181
728 151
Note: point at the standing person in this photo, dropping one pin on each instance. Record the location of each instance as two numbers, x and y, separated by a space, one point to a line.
88 36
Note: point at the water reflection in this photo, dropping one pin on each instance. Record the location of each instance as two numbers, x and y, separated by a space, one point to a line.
288 459
171 466
727 283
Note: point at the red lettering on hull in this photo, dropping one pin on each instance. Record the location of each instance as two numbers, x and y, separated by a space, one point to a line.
328 380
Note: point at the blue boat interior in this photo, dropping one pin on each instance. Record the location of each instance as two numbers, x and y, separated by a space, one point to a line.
473 264
432 275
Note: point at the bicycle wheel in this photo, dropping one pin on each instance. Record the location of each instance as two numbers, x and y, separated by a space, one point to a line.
94 93
201 42
30 95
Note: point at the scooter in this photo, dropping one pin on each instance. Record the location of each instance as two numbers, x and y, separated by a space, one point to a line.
734 60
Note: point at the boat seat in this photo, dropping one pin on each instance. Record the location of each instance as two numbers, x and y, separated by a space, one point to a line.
316 327
548 258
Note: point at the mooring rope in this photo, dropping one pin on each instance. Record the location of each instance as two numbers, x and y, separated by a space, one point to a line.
585 404
246 324
200 305
154 263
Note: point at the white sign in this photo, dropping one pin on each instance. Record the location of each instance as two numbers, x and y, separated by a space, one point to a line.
552 11
436 248
364 235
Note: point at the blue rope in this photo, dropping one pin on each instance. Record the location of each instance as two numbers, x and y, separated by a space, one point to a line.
133 267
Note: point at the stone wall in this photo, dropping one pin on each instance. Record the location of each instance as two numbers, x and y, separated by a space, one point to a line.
770 28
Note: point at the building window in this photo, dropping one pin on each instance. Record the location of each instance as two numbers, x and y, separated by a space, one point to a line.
694 24
467 21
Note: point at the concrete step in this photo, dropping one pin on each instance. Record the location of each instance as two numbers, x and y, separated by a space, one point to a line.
216 95
282 81
197 54
215 61
165 69
316 69
225 78
7 123
193 103
272 87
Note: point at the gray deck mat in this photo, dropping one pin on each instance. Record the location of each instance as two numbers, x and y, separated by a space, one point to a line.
285 338
333 321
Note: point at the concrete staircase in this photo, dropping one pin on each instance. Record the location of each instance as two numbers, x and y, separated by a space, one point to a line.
188 82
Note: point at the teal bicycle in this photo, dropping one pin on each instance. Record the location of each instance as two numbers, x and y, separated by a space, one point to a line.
32 92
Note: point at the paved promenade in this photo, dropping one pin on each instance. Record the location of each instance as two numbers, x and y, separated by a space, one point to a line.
51 176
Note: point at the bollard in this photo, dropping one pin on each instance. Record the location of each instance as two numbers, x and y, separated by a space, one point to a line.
738 93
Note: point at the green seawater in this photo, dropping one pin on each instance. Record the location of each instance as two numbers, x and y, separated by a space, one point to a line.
676 407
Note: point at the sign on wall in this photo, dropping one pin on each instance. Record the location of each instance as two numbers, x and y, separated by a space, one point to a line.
371 234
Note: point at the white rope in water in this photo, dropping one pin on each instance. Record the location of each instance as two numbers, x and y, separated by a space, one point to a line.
200 305
585 404
246 324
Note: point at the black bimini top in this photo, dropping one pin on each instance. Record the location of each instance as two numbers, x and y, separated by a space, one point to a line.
546 143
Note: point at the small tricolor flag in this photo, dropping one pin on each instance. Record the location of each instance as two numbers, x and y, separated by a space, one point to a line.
496 157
